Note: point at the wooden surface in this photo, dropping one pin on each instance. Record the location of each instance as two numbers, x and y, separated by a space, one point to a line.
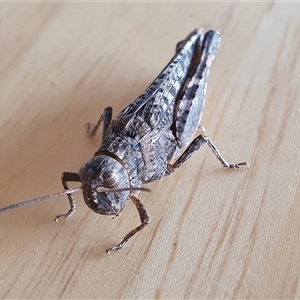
215 233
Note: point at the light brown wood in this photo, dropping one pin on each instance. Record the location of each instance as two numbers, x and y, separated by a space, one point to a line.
215 233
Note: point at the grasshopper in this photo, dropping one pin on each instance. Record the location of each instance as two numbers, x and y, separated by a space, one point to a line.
150 138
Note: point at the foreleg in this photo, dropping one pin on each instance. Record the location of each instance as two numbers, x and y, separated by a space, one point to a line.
145 219
66 177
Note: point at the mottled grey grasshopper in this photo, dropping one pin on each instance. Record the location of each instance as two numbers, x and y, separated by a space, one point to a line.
146 140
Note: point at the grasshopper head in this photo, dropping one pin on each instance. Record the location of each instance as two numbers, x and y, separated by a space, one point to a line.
104 172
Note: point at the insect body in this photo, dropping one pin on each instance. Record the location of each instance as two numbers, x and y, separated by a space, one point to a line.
145 141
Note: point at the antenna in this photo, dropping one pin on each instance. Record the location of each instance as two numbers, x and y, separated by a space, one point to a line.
97 189
100 189
39 199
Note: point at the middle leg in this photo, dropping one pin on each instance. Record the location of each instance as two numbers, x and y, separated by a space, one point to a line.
194 146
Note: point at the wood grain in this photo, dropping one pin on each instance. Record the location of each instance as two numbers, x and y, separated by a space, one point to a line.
215 233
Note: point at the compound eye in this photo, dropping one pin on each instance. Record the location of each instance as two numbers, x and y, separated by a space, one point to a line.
111 178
